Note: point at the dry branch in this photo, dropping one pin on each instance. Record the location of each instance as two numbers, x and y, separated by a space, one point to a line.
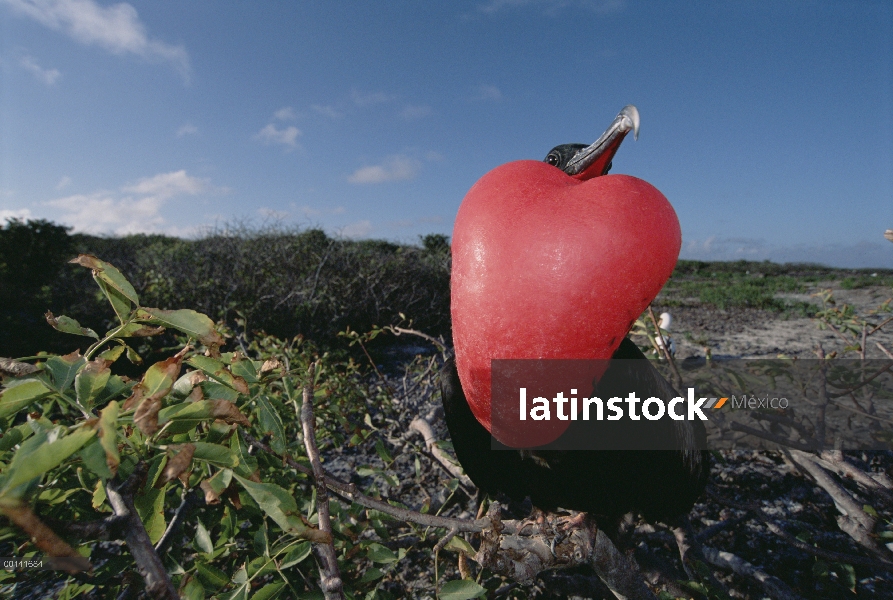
330 577
424 428
148 563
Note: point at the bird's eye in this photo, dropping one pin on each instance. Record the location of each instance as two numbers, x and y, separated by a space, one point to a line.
553 159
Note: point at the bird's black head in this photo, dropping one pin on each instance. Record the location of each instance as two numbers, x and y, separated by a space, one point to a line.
560 156
582 161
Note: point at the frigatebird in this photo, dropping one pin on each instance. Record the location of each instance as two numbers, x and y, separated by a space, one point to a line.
661 484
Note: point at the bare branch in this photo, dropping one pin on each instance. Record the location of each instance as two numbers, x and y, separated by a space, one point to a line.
858 524
148 563
330 577
423 427
775 587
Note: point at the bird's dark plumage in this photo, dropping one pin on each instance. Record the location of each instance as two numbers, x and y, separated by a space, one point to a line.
661 484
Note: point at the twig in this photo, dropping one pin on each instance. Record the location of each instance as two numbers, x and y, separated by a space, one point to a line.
148 563
774 586
424 428
349 492
189 500
666 351
619 573
772 526
883 349
330 577
854 521
783 441
424 336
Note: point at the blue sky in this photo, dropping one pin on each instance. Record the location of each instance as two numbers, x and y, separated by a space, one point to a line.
768 125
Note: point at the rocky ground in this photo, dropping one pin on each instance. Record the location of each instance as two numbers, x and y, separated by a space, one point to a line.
749 333
780 531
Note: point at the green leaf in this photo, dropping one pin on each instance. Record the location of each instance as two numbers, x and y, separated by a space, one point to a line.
190 322
63 369
194 590
461 589
210 576
216 370
247 463
271 423
69 325
371 575
215 454
296 555
99 495
383 453
203 538
113 354
194 412
244 368
108 435
38 455
20 394
150 507
269 591
277 503
90 382
14 436
380 554
112 283
460 544
93 456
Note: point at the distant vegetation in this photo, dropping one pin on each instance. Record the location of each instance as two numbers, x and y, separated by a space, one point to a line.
288 281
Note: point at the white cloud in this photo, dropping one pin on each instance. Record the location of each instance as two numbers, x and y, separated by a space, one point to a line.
273 135
116 28
394 168
138 209
187 129
358 229
17 213
411 112
285 113
327 111
47 76
370 99
867 254
488 92
167 185
64 182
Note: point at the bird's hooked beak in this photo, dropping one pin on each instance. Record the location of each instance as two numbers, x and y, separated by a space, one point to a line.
594 160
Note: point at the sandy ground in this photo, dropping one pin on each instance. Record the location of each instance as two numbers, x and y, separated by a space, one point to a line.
751 333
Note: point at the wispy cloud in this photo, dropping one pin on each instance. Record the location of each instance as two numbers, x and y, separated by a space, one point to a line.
487 92
135 208
551 7
17 213
63 183
356 230
368 99
286 136
327 111
412 112
47 76
116 28
286 113
187 129
394 168
859 254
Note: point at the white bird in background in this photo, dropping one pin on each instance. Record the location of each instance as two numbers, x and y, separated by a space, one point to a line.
664 323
